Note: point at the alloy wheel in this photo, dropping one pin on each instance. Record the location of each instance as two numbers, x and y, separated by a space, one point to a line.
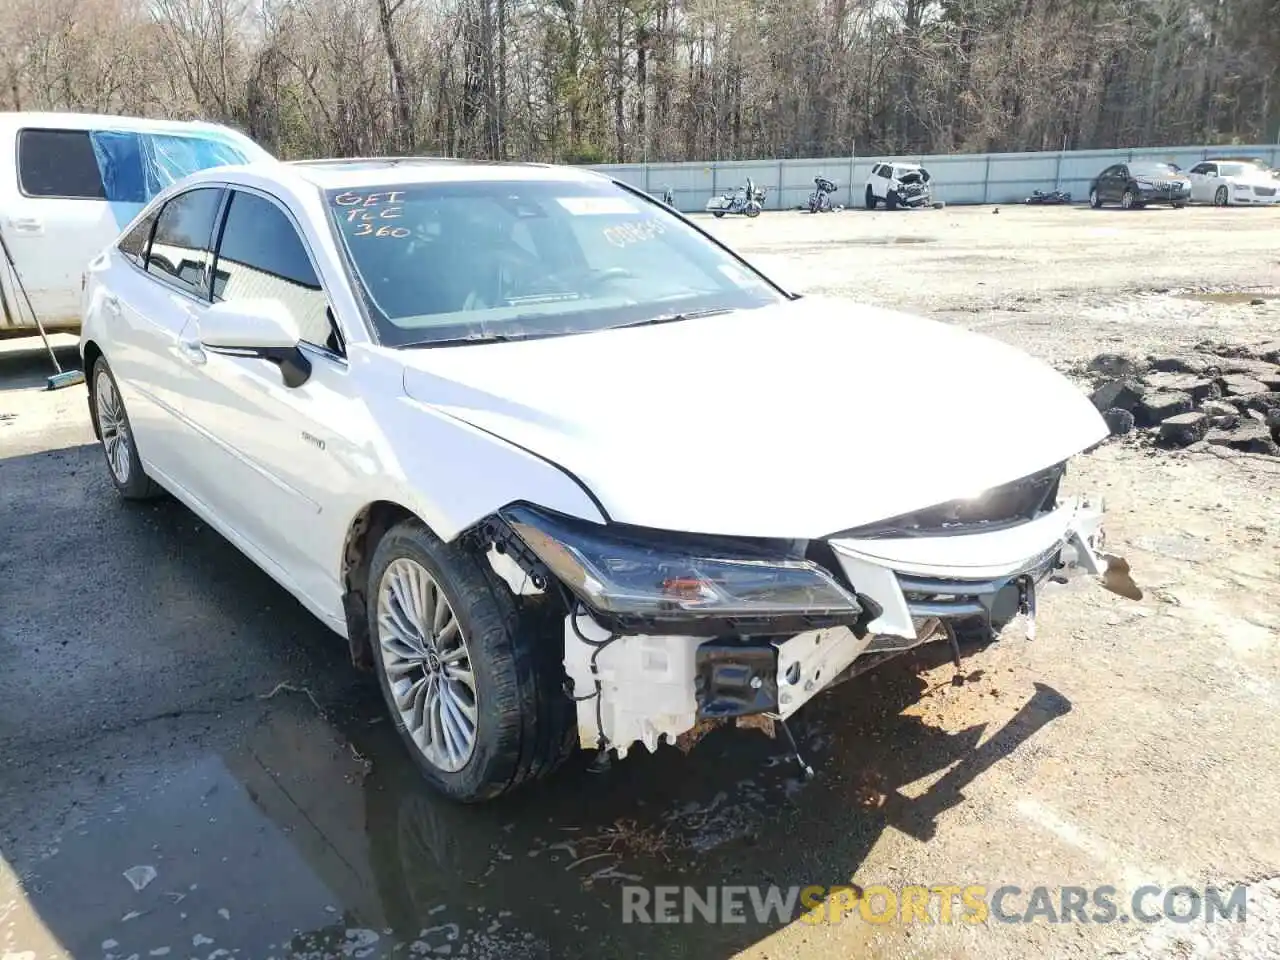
427 664
1126 201
114 427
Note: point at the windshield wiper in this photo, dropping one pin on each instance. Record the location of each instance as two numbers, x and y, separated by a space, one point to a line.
472 338
671 318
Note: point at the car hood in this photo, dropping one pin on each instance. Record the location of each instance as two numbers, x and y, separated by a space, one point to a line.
797 420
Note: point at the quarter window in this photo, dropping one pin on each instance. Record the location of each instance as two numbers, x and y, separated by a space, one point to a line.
134 244
261 256
179 253
59 164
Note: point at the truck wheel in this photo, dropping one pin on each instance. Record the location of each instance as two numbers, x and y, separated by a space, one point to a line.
891 200
475 690
870 199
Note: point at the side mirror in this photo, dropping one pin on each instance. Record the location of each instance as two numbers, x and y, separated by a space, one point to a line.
257 328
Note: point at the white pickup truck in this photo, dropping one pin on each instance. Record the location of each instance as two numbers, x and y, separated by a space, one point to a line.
69 182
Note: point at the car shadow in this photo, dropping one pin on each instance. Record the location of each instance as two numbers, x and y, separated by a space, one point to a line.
240 757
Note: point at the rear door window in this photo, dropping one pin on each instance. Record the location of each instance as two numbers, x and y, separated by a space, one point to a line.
58 164
179 254
261 256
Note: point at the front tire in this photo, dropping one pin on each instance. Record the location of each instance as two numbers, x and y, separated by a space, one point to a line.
475 690
870 199
1221 198
119 445
1128 200
891 200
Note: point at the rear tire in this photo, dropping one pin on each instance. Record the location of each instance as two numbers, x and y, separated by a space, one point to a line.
119 445
1095 199
475 666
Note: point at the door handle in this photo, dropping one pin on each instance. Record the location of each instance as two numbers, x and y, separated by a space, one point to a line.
32 226
191 350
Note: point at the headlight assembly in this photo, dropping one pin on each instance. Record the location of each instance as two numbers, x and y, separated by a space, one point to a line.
638 579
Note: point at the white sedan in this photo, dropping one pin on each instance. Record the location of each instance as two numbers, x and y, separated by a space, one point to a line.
1229 182
533 443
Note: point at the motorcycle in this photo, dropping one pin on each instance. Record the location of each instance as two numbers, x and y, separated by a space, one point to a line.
1053 197
820 199
748 201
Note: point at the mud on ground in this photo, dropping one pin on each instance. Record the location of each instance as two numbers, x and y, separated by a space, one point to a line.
191 768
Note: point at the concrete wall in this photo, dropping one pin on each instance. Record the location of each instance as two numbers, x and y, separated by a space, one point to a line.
965 178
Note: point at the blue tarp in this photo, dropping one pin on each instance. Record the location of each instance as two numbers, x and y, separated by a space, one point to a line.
137 166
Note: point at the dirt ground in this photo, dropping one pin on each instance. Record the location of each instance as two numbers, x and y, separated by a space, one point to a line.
192 769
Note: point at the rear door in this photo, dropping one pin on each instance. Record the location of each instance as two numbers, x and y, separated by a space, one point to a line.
273 456
58 220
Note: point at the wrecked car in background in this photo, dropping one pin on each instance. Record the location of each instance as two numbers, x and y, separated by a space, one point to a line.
408 408
898 184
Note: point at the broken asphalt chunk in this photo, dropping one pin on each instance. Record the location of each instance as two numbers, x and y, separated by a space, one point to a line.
1118 394
1238 385
1113 365
1119 422
1184 429
1249 437
1160 405
1199 388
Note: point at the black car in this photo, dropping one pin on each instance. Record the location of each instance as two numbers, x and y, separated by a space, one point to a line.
1140 182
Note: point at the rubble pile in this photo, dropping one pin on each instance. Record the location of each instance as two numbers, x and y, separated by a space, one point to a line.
1214 394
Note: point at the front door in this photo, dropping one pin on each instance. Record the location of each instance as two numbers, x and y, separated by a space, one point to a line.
276 455
1202 176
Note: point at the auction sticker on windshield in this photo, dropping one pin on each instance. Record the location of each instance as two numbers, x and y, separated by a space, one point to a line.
597 206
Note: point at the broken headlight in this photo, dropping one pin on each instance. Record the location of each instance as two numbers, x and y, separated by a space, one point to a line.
638 579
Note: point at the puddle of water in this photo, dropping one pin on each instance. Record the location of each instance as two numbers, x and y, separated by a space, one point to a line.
1229 297
318 839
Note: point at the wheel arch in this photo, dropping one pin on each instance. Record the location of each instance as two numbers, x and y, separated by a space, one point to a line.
364 531
89 354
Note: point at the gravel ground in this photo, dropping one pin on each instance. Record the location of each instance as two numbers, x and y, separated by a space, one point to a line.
164 706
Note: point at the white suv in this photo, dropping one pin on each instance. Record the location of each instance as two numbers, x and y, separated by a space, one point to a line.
898 185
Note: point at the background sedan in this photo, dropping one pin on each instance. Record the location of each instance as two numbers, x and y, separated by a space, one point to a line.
1139 183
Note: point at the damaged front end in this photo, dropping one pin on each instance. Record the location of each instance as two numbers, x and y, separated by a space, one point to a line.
666 633
913 191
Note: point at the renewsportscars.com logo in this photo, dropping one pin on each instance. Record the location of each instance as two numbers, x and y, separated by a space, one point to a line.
938 903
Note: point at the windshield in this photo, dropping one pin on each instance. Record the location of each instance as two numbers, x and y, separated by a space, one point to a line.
1153 169
471 260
